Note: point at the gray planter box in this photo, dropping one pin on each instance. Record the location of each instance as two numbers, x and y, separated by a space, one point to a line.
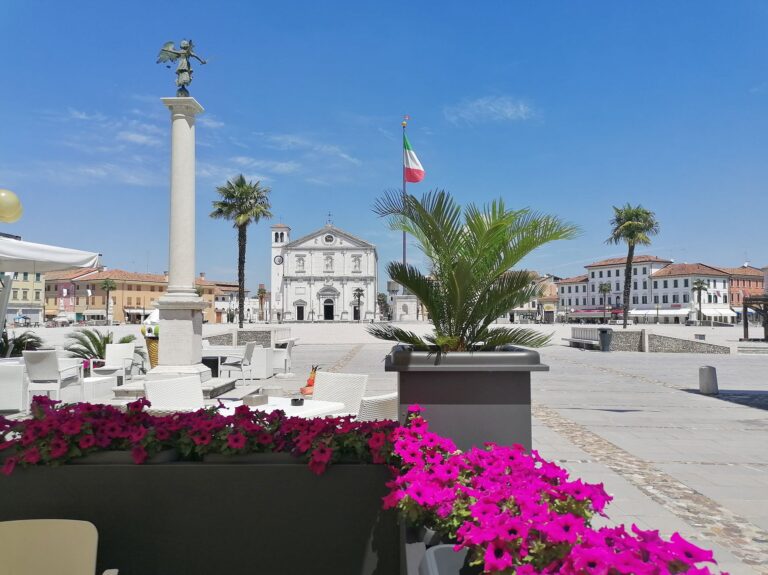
207 518
470 397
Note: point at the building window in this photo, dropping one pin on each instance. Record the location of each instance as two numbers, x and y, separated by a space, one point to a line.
583 288
644 299
593 274
655 284
601 301
129 287
618 300
666 284
645 271
601 273
593 301
569 289
129 300
674 283
608 273
665 298
634 271
655 299
562 289
634 299
583 301
617 286
562 302
685 298
26 276
645 284
709 298
675 298
24 295
617 273
593 287
634 286
569 301
37 277
609 300
15 294
725 298
37 295
685 283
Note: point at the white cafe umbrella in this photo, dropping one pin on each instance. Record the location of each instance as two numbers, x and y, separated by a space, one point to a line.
21 256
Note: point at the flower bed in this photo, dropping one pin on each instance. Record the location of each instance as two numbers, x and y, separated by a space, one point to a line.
512 511
59 433
517 513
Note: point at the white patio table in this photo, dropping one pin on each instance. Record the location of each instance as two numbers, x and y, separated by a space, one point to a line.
311 407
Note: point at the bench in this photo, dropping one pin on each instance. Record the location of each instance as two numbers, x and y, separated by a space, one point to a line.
584 337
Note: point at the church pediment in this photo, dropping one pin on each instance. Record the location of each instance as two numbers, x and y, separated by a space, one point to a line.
331 238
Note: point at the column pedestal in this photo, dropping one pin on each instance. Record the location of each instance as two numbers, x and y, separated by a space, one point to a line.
181 309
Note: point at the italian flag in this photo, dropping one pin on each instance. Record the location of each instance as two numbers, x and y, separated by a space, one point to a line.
411 165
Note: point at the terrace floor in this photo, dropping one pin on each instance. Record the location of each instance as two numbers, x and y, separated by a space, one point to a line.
672 459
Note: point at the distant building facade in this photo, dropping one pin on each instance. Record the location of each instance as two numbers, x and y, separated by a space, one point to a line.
315 277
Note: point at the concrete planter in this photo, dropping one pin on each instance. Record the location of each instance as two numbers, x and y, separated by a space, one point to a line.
123 458
204 518
470 397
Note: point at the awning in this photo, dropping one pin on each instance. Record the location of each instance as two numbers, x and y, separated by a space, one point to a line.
661 312
21 256
718 312
99 312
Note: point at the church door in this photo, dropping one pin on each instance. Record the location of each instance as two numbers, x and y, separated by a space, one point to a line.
299 313
328 310
356 313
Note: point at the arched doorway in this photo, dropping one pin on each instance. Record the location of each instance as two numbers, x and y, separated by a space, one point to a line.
356 313
328 309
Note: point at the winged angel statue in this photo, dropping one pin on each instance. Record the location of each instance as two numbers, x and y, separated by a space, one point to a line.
184 67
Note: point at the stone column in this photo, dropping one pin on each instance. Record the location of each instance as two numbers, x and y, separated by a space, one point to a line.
181 309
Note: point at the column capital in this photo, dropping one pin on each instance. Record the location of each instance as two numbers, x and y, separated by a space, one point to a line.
187 106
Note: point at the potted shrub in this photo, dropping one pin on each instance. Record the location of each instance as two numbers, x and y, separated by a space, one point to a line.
471 378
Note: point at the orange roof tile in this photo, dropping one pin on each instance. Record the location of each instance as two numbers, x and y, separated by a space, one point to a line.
689 270
739 271
122 275
623 261
69 274
573 280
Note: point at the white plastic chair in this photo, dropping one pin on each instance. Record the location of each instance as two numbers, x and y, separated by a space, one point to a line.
243 365
176 394
281 357
13 387
348 388
118 360
48 373
378 408
40 546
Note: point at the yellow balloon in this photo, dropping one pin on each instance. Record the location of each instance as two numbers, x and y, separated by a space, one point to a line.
10 206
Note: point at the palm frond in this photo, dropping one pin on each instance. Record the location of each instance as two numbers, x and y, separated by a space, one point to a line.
517 336
393 333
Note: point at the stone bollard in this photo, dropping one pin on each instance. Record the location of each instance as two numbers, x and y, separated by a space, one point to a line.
708 380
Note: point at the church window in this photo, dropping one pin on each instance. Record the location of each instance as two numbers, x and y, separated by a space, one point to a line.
277 237
282 236
328 239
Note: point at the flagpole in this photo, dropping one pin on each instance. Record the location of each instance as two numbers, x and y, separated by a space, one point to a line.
405 123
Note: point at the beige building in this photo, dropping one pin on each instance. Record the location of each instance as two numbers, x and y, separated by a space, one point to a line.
26 300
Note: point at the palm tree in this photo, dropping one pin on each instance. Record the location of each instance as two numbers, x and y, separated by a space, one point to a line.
699 286
634 226
243 203
381 300
262 293
92 343
108 285
25 341
604 289
358 295
471 254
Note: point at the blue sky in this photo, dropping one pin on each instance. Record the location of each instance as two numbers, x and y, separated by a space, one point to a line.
566 107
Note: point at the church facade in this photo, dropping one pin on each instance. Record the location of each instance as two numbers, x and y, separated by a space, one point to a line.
317 277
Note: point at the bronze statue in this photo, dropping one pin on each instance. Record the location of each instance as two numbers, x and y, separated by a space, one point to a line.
184 67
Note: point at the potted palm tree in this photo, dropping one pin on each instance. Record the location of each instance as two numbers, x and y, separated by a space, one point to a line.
471 378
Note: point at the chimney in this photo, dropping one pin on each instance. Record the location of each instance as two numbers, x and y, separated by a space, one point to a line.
202 275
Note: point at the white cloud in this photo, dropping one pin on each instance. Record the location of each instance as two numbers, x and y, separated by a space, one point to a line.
488 109
73 114
273 166
210 122
138 138
307 145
